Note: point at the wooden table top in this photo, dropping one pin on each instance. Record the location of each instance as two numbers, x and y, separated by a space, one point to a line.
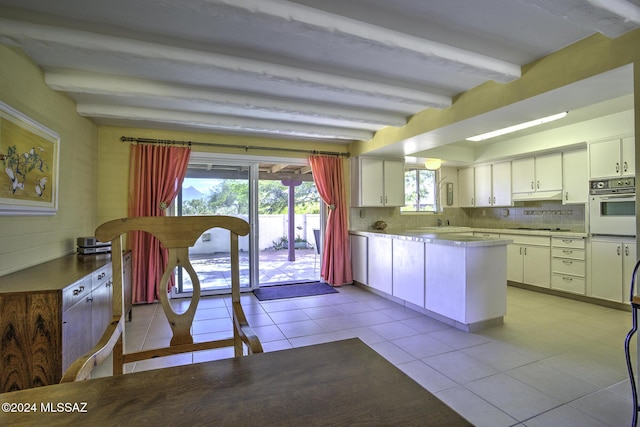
338 383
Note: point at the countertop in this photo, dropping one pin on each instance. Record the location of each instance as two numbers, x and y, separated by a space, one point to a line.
452 235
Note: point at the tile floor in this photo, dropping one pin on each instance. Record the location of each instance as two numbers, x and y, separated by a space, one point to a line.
554 362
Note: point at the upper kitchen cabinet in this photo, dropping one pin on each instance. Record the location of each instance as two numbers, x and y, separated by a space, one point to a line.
376 182
493 184
575 177
466 188
536 175
612 158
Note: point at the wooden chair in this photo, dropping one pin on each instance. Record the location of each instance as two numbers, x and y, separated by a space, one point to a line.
177 234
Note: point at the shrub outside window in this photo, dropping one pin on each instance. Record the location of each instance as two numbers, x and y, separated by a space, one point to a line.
420 189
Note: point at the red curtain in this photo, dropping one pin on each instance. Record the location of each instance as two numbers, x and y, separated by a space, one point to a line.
328 174
156 176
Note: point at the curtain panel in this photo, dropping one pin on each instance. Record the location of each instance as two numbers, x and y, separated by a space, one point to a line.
328 174
156 176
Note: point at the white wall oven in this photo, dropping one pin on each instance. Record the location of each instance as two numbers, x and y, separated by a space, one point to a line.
612 207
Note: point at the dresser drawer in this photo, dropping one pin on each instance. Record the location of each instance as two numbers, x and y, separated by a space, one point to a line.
567 283
567 242
74 293
568 253
100 276
567 266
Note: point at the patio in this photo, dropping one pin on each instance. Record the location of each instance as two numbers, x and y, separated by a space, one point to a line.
274 268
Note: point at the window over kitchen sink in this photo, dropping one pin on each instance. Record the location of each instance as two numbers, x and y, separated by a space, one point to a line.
420 189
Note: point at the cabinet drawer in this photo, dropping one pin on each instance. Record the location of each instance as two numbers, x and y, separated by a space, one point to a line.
567 266
74 293
485 234
567 242
568 253
521 239
100 276
568 283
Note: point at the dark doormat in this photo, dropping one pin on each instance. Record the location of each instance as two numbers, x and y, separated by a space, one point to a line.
293 291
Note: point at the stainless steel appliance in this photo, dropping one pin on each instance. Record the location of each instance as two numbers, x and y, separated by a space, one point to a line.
612 207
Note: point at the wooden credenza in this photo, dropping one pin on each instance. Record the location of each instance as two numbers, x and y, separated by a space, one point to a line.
52 313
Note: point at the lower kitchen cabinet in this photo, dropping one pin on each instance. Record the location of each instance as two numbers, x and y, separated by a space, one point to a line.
359 258
51 314
612 262
529 260
408 271
379 263
568 264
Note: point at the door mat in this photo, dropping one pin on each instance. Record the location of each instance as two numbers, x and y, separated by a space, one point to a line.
293 291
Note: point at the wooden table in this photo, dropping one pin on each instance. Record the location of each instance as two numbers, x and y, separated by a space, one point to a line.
338 383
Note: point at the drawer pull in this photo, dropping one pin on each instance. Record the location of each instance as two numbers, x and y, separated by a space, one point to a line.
567 279
76 292
567 252
567 262
567 240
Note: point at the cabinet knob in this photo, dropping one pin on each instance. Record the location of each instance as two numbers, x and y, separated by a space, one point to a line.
618 249
625 166
538 184
626 250
617 167
532 185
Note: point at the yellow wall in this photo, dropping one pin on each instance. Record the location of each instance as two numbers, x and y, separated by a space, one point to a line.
29 240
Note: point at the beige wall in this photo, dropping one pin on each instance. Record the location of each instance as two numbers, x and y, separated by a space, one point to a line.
30 240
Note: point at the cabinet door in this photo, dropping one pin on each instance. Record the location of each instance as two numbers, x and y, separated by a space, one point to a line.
523 175
101 310
501 184
379 264
371 182
549 172
606 270
628 156
482 180
76 331
537 266
408 271
466 191
575 177
393 183
515 255
604 159
628 263
359 258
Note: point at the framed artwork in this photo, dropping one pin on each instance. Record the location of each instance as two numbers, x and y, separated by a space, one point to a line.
29 159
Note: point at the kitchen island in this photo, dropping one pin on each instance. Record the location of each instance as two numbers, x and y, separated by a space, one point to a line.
448 274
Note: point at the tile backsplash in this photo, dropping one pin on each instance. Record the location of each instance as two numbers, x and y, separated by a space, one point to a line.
547 214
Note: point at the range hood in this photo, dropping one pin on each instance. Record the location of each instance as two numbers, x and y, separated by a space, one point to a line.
537 195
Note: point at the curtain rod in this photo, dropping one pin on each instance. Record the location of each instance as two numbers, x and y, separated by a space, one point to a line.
244 147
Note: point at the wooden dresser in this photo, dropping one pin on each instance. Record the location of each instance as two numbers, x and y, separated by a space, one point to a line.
52 313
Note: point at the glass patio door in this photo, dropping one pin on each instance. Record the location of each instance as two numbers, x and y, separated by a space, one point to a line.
216 188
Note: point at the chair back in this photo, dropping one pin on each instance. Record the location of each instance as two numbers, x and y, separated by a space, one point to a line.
177 235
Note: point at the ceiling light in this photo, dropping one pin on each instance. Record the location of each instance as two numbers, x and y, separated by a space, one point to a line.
432 164
515 128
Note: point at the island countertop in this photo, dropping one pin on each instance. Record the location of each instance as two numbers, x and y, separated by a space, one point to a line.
451 237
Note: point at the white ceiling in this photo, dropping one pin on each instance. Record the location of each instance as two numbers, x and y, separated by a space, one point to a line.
330 70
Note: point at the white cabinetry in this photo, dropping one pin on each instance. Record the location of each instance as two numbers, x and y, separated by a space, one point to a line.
575 177
379 264
359 258
493 184
377 182
612 158
466 188
535 174
529 260
568 264
408 271
612 262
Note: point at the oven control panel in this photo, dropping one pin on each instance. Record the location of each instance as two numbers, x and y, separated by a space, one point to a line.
614 185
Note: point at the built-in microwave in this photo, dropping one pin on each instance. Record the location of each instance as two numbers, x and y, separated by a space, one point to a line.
612 207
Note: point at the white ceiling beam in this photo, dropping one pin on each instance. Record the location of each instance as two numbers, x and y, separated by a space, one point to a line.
306 20
609 17
23 34
277 168
208 121
81 82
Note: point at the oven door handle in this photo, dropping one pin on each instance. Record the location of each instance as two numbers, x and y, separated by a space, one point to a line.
627 197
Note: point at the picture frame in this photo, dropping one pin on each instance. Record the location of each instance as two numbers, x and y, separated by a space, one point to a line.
29 163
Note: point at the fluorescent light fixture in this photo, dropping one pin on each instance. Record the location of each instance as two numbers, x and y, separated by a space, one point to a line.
432 164
515 128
